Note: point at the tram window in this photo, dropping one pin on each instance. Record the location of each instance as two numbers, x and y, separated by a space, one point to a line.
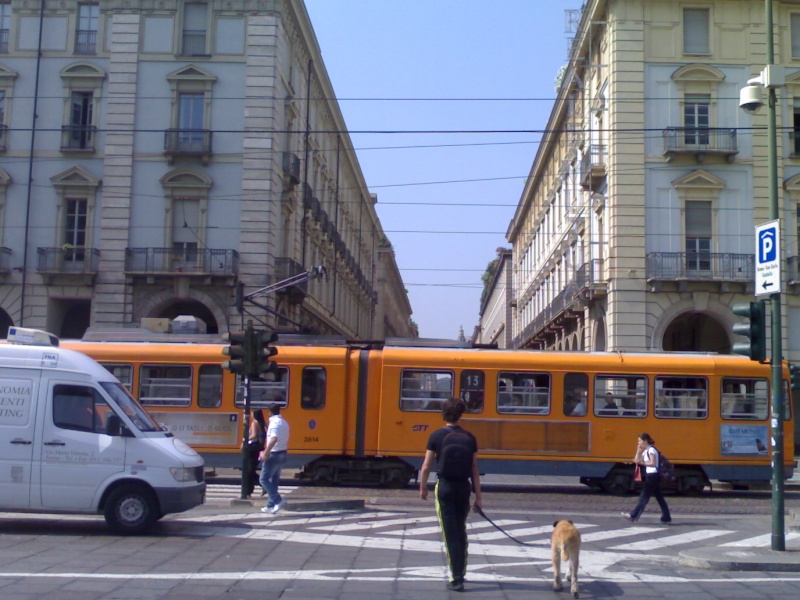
620 396
523 393
473 390
744 398
313 388
122 372
209 389
425 390
265 393
576 394
681 398
165 385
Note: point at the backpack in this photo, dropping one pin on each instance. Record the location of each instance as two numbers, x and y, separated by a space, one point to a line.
666 470
456 455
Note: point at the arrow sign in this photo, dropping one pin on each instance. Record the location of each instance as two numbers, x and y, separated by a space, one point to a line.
768 252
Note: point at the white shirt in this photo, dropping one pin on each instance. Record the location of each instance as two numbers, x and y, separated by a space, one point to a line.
651 454
278 428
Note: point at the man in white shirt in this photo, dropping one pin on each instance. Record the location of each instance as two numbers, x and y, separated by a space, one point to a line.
274 457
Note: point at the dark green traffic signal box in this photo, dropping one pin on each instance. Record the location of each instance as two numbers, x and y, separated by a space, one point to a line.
755 329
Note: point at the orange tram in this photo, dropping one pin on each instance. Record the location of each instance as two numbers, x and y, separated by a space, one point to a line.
361 413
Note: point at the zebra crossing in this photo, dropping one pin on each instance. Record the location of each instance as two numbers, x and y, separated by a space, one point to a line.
224 493
392 528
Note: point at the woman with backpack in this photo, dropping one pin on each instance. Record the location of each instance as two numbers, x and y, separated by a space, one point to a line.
647 458
455 451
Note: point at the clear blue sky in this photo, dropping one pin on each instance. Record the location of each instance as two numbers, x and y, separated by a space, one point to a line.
445 199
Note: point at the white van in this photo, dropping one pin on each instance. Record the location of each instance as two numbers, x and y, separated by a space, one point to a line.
73 440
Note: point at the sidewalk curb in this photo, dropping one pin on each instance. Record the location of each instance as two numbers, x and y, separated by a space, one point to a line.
742 559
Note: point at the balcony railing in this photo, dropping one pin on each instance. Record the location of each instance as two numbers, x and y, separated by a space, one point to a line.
593 165
700 266
67 261
86 41
3 136
3 41
194 42
5 260
700 141
187 142
174 261
78 138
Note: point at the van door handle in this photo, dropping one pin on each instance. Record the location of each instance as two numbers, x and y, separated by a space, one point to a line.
56 443
19 441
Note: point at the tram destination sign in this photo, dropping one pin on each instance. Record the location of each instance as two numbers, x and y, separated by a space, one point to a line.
768 252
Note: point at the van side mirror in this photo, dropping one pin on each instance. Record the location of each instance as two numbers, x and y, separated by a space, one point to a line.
115 427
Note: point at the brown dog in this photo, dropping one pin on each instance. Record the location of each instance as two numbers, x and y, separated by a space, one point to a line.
566 545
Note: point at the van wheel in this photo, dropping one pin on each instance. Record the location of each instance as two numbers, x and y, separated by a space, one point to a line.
131 510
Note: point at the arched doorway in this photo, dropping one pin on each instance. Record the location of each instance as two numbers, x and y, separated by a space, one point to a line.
195 309
5 323
696 332
76 321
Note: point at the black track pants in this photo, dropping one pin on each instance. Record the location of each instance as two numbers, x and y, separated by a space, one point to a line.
452 506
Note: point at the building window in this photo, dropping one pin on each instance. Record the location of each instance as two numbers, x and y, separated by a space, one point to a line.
190 122
80 130
75 229
698 235
5 26
795 27
185 233
696 31
696 120
194 29
86 33
190 134
82 89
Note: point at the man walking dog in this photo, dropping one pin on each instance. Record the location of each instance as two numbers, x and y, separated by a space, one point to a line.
455 451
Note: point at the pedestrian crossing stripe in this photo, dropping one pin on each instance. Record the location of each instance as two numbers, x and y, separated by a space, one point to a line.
233 492
762 540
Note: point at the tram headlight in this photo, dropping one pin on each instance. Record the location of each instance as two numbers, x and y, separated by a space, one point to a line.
183 474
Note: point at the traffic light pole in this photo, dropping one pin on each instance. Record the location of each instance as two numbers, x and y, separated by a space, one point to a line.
246 467
778 534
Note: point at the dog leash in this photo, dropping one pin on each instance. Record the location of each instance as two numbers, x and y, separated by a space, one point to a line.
479 510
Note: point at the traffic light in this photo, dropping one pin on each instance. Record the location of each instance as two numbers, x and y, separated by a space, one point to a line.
756 348
239 351
263 352
794 371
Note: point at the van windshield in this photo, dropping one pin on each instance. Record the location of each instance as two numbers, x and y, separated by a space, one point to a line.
130 406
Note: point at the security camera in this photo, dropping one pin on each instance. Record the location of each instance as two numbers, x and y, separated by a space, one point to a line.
750 99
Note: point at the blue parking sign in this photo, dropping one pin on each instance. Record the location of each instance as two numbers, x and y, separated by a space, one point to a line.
768 252
767 245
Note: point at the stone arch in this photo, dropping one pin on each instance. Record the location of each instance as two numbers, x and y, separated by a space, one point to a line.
153 305
699 303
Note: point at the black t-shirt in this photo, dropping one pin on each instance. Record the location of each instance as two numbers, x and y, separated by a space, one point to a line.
437 437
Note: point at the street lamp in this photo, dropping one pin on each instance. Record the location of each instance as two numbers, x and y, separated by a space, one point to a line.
771 78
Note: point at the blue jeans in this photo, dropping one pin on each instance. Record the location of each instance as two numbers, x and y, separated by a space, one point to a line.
271 476
651 488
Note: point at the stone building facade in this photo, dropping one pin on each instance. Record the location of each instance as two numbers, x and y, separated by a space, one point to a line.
635 230
155 154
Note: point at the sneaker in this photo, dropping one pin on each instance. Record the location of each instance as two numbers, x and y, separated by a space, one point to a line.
666 521
275 509
628 517
455 586
266 509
